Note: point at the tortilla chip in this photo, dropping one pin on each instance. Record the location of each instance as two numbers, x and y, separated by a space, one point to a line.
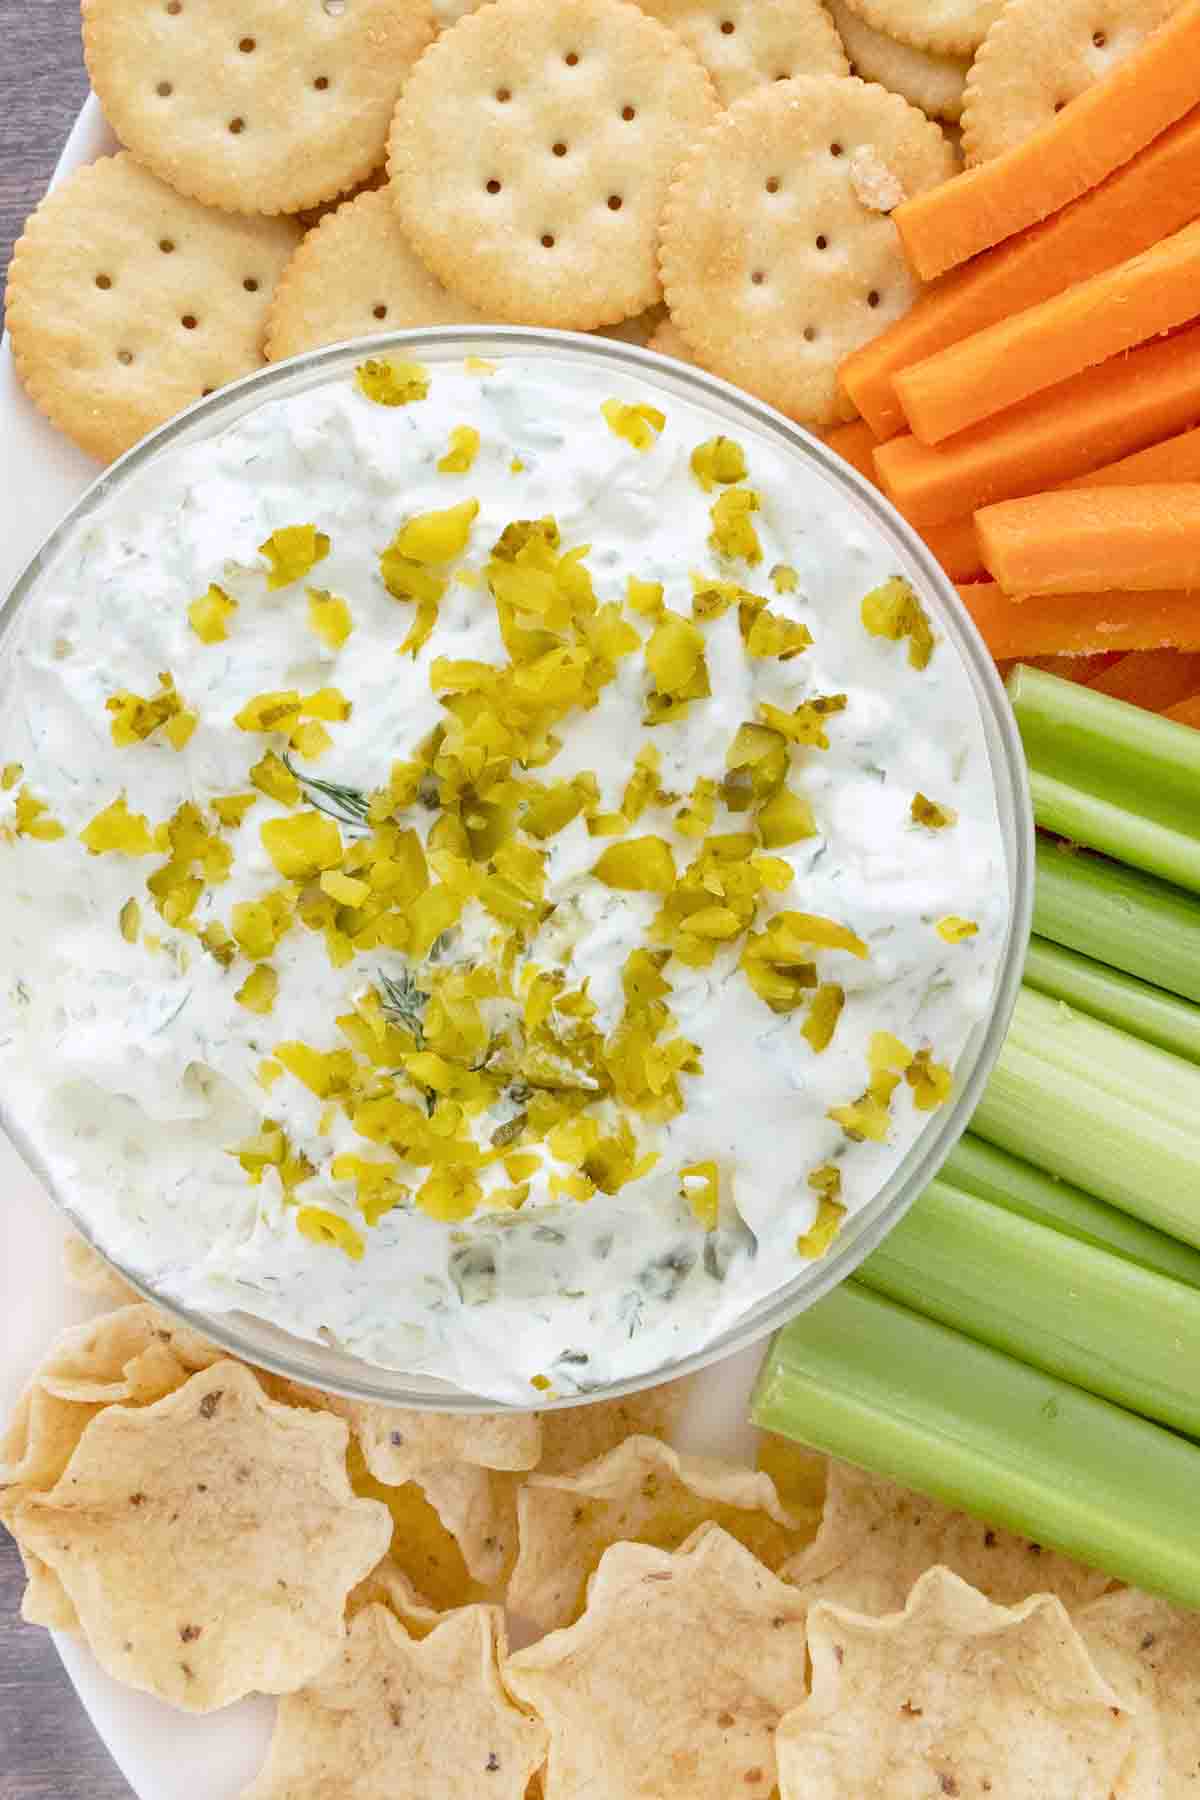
208 1542
86 1270
89 1362
45 1600
575 1435
388 1585
673 1681
952 1696
876 1538
1150 1651
398 1716
478 1507
421 1547
644 1492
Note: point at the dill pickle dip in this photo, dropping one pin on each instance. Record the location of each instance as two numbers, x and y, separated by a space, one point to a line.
494 871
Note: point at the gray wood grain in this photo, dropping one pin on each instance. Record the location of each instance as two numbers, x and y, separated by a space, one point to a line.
48 1749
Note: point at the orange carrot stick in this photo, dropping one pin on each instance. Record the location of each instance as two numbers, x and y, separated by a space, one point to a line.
1120 406
1089 540
1081 624
1186 713
1155 679
1143 298
1175 459
1099 131
1085 669
855 443
1148 199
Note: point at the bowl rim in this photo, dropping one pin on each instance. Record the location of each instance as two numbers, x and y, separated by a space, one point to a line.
865 1229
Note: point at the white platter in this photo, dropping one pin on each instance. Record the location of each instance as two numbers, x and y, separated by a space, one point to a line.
164 1755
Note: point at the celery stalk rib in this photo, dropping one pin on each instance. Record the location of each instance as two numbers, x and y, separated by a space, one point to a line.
1053 1302
873 1382
1122 917
1103 824
1167 1086
1118 999
975 1167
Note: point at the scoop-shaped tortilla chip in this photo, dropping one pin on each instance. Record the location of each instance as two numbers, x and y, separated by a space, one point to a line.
575 1435
478 1507
1150 1651
644 1492
952 1696
876 1538
388 1585
208 1542
87 1271
399 1718
673 1681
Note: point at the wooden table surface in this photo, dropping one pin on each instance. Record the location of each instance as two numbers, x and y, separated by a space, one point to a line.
48 1750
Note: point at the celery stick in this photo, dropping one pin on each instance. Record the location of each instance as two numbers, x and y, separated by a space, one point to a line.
874 1383
1108 1144
1101 1322
1122 1000
975 1167
1165 1085
1104 824
1120 916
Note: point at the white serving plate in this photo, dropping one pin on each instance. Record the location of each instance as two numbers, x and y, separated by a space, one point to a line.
161 1752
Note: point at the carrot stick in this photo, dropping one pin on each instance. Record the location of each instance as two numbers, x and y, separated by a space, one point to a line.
1176 459
1099 131
855 443
1148 199
1120 406
1081 624
1186 713
1155 679
1088 540
1083 669
956 547
1145 297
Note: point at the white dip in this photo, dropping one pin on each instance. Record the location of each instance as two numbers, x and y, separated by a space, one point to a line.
378 1212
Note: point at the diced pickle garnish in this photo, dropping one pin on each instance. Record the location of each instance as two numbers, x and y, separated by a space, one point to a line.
437 537
119 831
806 724
733 535
927 812
300 847
10 774
784 579
786 818
644 597
818 1239
392 383
329 616
643 865
325 1227
31 816
894 611
931 1082
719 461
464 448
259 990
135 719
272 777
955 930
823 1015
130 921
292 551
771 635
210 615
638 425
700 1184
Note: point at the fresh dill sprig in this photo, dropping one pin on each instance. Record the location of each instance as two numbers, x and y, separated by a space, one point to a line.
348 805
404 1001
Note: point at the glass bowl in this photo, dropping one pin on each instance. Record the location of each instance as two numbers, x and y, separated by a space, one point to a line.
325 1366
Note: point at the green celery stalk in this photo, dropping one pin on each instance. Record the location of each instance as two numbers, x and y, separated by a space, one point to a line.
1108 1144
975 1167
870 1381
1165 1085
1105 1324
1124 918
1111 775
1150 1014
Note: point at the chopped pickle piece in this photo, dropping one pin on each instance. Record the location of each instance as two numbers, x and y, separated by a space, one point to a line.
786 818
292 551
311 741
733 534
516 466
344 888
790 931
31 817
259 990
329 616
927 812
695 817
135 719
719 461
392 383
464 448
784 579
893 611
819 1237
231 809
639 865
327 703
700 1185
118 830
219 944
756 764
449 1194
675 658
325 1227
479 365
826 1181
258 925
9 776
888 1052
437 537
771 635
271 776
638 425
268 1073
806 725
931 1082
277 711
301 847
210 615
130 921
955 930
823 1015
865 1118
643 787
644 597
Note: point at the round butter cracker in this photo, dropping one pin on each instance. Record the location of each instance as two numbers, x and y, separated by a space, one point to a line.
126 301
260 106
668 340
778 254
743 43
1036 59
531 152
934 83
946 27
355 275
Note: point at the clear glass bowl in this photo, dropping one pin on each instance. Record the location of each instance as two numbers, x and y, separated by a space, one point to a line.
324 1366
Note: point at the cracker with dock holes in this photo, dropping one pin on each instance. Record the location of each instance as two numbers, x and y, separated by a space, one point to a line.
922 77
948 27
743 43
